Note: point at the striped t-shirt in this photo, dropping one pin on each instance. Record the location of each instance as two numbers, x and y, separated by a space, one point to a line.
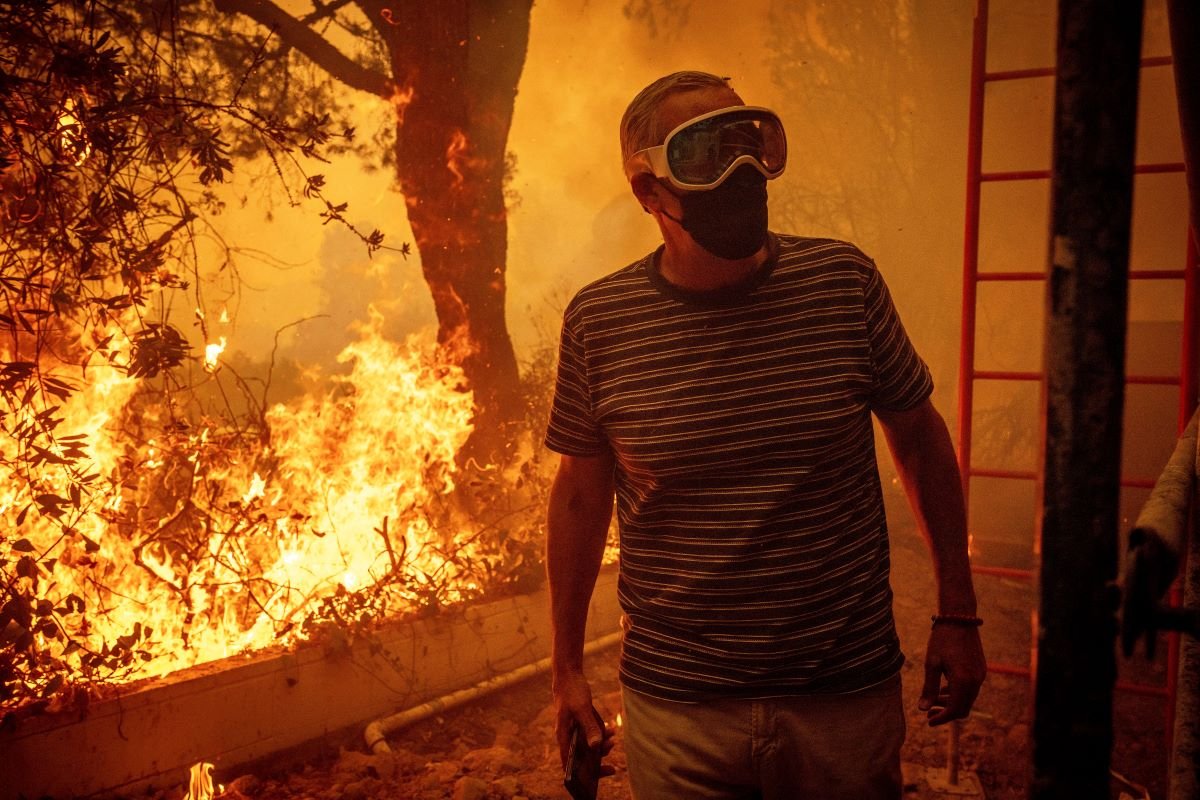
754 553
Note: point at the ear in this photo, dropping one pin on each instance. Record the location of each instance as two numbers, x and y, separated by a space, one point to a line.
645 189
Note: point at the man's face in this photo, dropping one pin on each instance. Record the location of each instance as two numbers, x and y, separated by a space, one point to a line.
730 220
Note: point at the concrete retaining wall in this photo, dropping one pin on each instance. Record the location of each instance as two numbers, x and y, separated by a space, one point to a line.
237 711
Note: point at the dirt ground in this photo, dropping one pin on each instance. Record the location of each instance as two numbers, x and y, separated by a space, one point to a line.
501 748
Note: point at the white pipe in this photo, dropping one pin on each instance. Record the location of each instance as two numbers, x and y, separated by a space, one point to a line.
376 732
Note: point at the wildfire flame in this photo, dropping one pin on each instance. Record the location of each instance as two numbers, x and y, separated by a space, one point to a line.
205 545
200 783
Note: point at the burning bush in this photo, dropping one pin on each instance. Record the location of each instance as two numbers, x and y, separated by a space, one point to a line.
142 531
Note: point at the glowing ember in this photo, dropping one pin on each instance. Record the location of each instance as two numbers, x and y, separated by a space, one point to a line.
200 783
458 161
401 98
212 352
72 136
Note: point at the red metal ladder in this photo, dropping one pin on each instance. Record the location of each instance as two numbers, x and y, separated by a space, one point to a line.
969 374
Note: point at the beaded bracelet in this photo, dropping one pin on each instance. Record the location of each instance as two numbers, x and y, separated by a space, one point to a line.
965 620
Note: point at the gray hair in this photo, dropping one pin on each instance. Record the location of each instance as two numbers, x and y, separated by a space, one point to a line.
639 125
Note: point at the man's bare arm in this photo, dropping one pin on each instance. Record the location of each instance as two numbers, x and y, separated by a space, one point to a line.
925 460
580 509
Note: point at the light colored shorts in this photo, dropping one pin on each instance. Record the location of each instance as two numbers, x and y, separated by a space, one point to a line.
804 747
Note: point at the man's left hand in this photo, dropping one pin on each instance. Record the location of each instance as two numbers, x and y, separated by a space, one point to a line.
955 653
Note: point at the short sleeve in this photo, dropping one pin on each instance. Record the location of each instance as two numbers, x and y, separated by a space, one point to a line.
573 429
900 379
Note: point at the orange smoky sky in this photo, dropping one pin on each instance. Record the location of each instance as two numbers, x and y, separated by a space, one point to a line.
874 97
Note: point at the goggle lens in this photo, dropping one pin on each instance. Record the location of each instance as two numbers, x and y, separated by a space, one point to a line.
703 152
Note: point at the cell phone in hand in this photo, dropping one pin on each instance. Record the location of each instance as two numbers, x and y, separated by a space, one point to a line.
582 774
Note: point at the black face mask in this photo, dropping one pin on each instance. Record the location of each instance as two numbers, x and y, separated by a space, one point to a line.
729 221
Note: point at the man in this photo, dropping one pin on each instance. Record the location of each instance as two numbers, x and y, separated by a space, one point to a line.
722 387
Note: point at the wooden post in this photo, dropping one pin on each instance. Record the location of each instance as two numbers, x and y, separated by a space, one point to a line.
1099 43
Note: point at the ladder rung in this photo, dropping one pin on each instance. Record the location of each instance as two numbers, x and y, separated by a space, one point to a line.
999 375
1134 275
1153 380
1141 688
1158 274
1045 174
1048 72
1019 74
1002 375
1158 61
1020 475
1015 175
1154 169
1010 276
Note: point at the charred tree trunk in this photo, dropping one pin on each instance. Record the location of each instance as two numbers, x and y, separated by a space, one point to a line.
453 73
456 67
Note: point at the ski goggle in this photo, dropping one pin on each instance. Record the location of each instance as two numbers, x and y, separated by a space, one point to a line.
702 152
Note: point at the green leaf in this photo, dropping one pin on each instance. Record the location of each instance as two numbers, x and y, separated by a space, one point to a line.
23 545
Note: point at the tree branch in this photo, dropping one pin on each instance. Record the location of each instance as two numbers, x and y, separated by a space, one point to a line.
322 10
298 35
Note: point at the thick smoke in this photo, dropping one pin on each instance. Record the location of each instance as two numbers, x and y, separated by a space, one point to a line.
875 98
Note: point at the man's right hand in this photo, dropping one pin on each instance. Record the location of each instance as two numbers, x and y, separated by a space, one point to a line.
573 706
580 508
